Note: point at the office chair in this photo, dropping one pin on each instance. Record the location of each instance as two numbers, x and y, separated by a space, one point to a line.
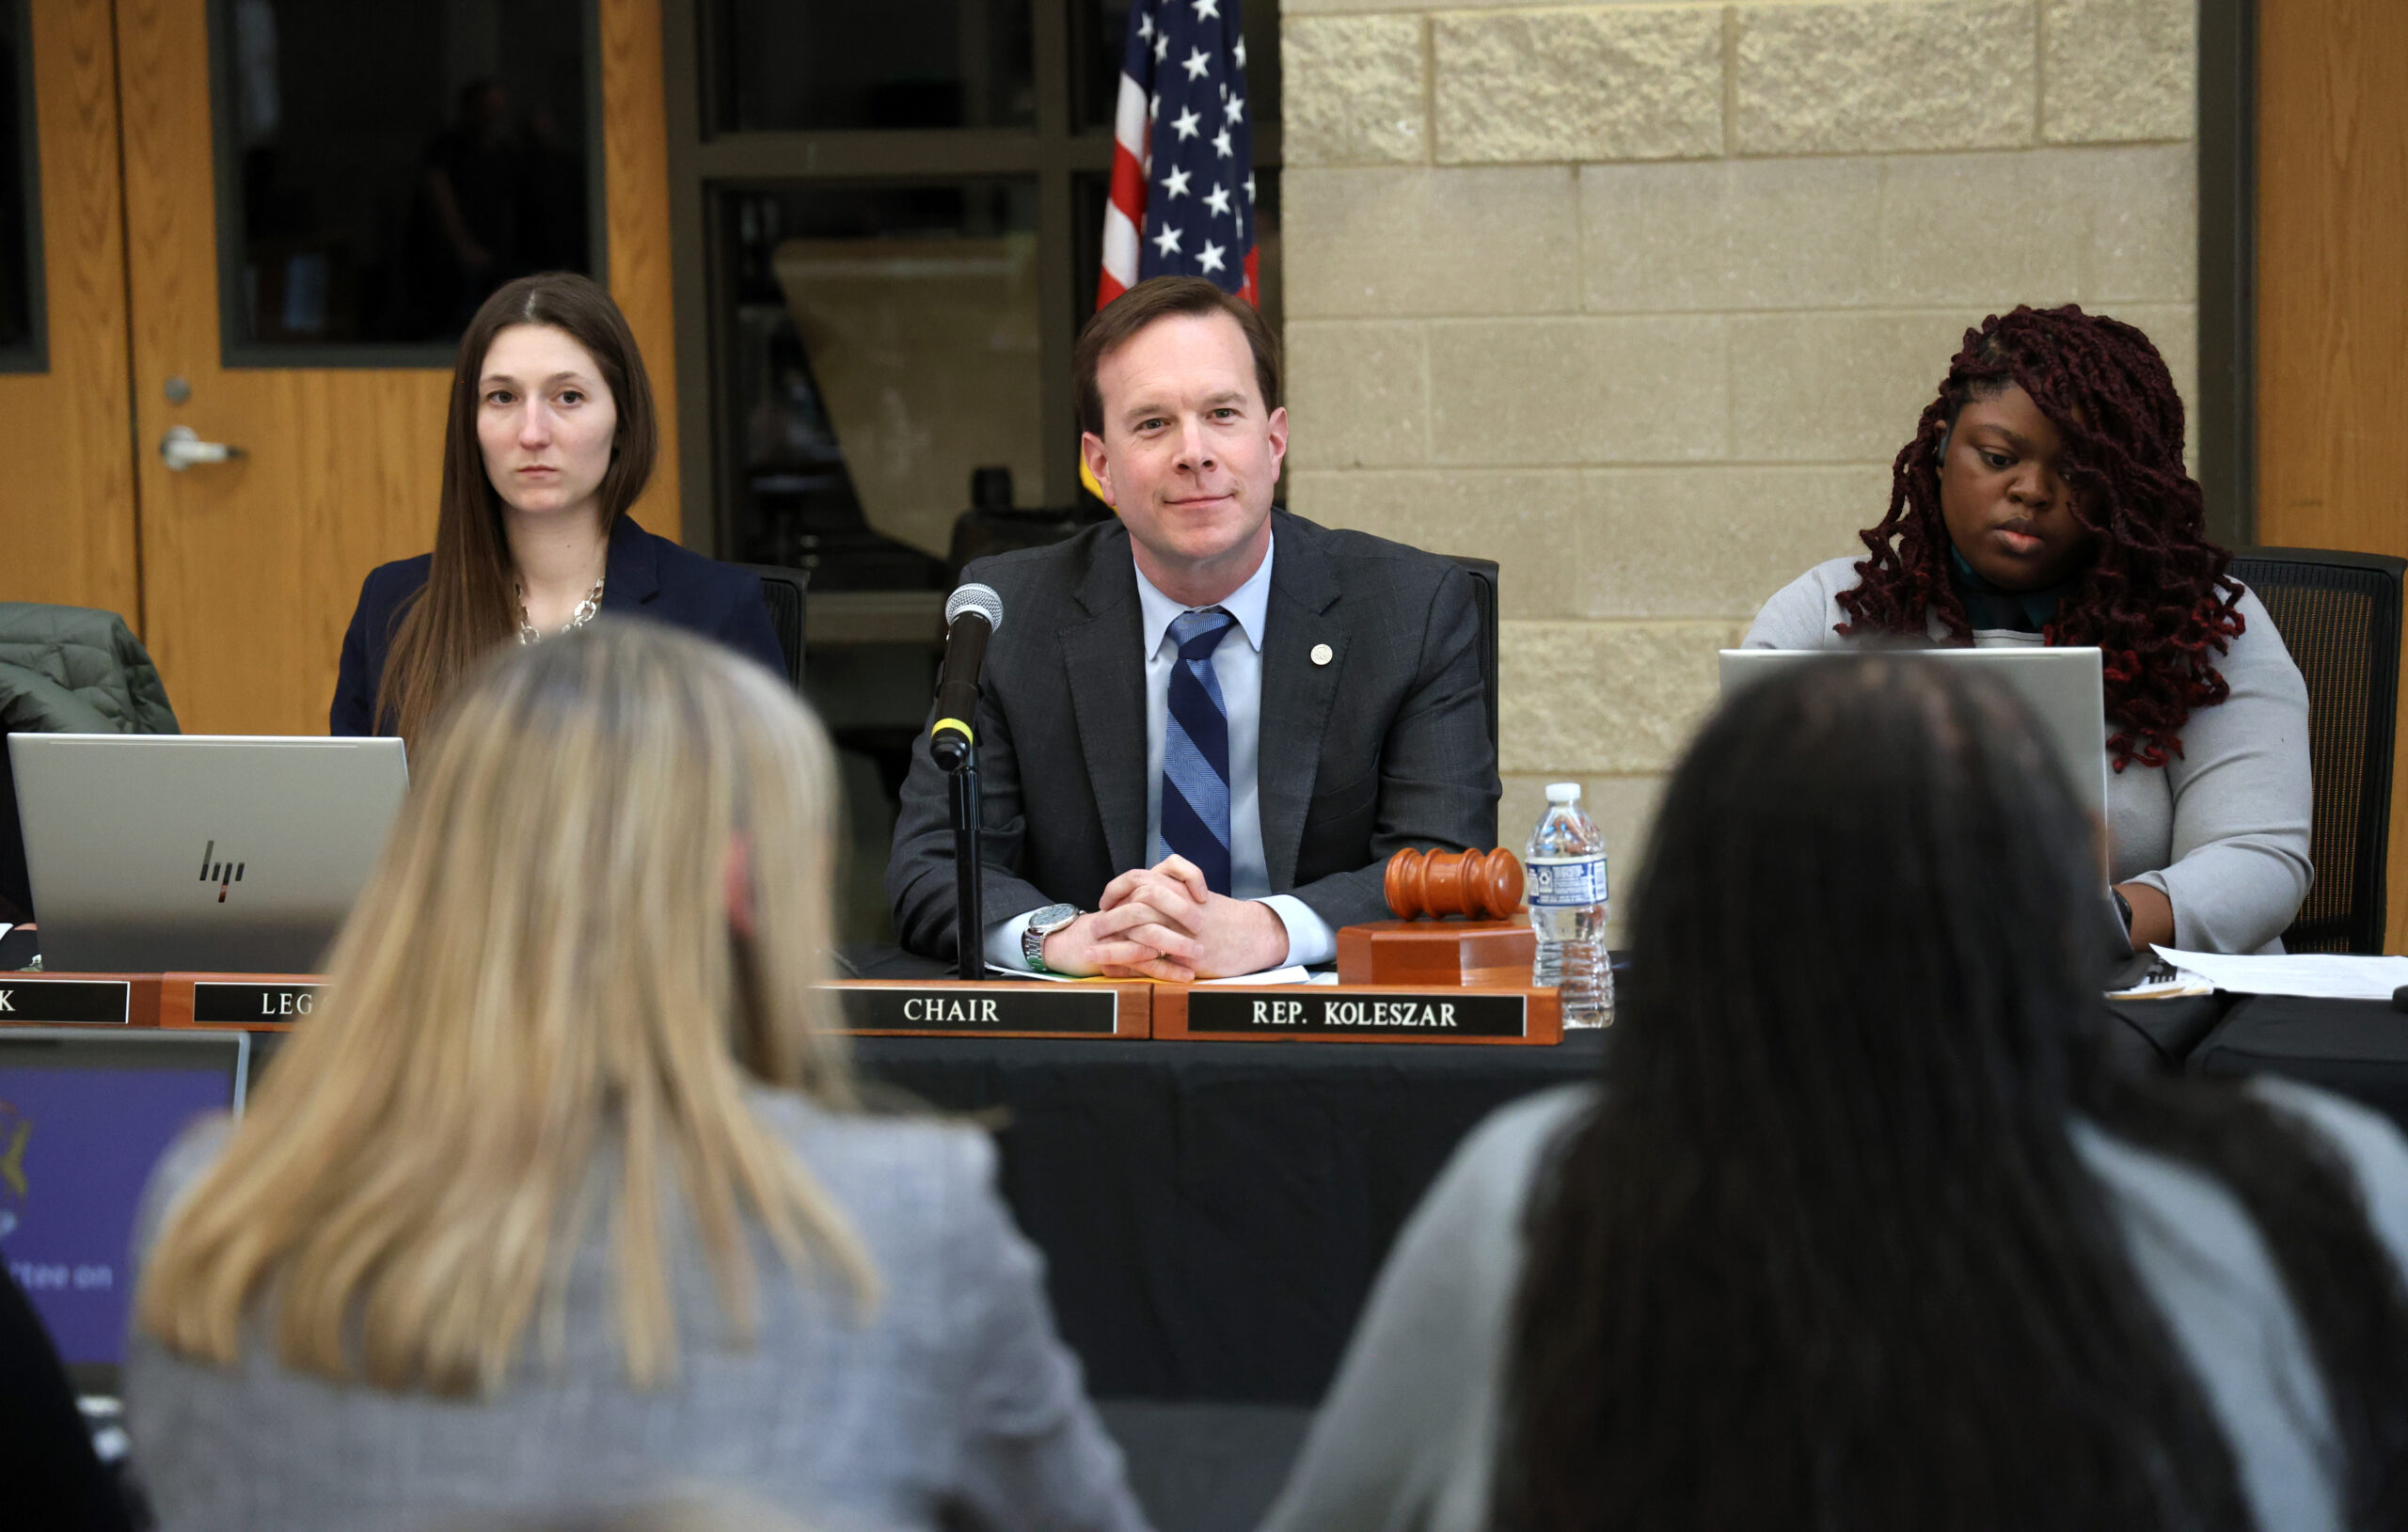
65 670
994 525
2339 614
784 591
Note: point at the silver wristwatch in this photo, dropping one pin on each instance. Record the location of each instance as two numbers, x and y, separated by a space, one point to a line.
1042 925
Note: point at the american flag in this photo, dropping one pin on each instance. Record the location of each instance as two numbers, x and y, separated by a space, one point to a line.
1182 158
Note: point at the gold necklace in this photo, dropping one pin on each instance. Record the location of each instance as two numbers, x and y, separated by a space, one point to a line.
577 619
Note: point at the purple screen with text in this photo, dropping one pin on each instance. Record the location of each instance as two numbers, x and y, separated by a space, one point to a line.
76 1147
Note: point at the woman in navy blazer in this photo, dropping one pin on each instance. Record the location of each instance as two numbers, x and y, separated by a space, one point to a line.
550 438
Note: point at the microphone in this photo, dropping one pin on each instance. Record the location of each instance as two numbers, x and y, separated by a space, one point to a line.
972 615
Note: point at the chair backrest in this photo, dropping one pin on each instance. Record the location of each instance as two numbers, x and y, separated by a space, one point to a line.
784 590
109 686
1484 595
2339 614
978 533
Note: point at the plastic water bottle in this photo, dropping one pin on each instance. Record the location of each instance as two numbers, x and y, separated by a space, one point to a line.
1565 864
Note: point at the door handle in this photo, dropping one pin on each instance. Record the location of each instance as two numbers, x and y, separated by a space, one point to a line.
181 447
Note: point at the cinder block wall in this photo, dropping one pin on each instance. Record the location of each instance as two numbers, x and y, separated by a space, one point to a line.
1640 300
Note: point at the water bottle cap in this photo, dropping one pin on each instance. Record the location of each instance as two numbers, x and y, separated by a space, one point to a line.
1564 792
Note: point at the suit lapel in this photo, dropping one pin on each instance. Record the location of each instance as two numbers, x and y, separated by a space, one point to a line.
631 573
1296 693
1107 678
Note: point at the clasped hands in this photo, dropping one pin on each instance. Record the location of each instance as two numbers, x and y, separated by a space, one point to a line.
1164 922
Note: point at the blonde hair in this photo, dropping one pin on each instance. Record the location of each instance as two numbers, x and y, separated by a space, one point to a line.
542 970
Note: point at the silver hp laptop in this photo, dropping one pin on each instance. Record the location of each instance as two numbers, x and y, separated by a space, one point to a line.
226 852
2061 687
84 1117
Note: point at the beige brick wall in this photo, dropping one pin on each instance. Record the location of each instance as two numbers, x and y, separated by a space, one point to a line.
1641 299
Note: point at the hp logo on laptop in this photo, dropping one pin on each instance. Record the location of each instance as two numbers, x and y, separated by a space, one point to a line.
224 874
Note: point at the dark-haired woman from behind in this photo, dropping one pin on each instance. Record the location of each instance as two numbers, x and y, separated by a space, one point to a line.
550 438
2043 500
1860 1231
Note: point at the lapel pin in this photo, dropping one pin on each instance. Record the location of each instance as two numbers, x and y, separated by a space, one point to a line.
1322 653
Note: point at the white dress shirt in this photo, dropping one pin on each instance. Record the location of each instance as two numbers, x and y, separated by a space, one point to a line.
1237 666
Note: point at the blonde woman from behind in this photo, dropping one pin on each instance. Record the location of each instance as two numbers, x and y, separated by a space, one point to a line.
561 1196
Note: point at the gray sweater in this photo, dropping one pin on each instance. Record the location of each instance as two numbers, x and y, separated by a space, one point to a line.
2221 829
1403 1441
956 1394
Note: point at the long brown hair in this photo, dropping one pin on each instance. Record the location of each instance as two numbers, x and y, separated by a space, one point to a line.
466 605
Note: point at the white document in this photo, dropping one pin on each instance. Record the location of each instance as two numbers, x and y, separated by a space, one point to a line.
1293 973
1000 972
2316 975
2181 984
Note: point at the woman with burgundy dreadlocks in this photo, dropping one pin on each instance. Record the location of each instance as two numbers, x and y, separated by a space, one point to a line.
2043 500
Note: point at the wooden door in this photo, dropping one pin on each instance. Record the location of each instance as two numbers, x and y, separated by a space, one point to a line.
67 513
251 567
2333 299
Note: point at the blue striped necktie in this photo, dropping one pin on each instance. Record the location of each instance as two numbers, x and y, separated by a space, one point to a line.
1196 750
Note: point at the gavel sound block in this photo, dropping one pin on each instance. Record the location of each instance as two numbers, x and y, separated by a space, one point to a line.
1474 936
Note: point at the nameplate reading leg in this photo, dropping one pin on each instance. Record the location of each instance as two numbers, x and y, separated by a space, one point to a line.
233 1004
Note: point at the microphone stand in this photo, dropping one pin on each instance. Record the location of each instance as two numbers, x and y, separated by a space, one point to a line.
972 614
969 928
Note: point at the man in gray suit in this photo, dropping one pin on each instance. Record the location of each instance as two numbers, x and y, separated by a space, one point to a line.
1204 726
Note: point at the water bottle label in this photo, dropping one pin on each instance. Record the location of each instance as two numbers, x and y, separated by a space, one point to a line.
1578 880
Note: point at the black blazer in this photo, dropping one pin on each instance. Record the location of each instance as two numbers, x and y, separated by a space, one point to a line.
646 576
1384 747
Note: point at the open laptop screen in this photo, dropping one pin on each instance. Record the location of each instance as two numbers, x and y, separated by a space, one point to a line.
2062 688
83 1118
220 852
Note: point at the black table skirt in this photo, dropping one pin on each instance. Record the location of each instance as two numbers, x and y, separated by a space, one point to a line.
1214 1214
2162 1034
2356 1048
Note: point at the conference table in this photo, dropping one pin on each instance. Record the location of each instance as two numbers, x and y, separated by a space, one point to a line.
1214 1213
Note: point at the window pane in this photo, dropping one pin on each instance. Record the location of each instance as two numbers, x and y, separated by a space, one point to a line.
790 65
395 164
1099 33
18 252
883 344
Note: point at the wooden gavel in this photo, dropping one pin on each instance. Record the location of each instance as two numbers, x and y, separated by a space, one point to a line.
1478 885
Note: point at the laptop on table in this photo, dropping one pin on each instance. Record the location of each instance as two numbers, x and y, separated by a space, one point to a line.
217 853
2061 687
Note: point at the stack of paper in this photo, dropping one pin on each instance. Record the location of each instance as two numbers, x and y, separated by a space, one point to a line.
1293 973
2317 975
